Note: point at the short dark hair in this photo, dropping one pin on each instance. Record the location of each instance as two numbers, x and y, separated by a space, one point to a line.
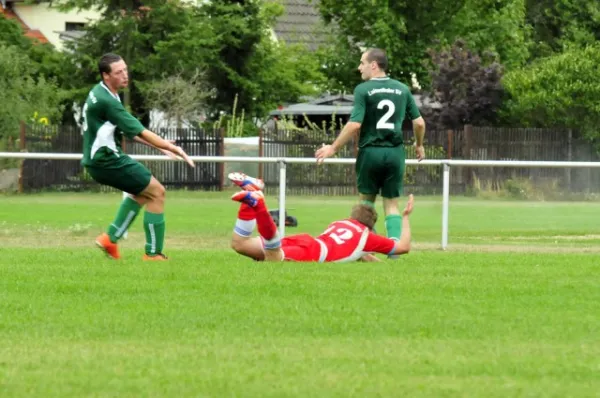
378 55
364 214
106 61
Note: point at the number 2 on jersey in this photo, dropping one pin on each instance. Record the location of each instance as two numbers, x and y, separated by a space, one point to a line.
340 236
383 122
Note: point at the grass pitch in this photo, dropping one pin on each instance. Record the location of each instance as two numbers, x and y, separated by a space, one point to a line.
511 309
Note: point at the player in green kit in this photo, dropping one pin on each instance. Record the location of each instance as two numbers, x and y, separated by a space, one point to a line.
380 106
105 121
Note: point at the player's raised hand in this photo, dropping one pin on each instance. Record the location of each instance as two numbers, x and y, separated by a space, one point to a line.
409 205
326 151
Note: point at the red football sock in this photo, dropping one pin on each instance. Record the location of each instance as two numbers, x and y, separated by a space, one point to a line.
246 213
266 227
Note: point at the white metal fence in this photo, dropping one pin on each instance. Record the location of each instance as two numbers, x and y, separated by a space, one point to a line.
446 164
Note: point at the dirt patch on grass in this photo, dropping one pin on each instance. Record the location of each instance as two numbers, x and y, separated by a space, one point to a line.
505 248
202 242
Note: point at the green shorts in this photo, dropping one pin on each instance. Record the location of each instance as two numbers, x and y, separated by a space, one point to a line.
380 169
125 174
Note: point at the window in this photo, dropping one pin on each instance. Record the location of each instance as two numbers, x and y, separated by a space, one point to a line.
71 26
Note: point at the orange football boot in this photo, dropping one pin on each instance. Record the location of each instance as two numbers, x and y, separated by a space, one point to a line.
111 249
156 257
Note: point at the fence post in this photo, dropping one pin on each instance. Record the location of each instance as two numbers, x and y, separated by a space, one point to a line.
22 148
445 204
22 135
282 185
260 153
221 153
468 148
569 157
354 185
450 143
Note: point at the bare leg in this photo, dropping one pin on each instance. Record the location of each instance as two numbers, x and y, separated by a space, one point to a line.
367 199
248 246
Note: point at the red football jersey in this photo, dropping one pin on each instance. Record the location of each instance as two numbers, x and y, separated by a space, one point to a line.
349 240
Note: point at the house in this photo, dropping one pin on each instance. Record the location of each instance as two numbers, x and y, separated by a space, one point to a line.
301 23
7 12
330 107
46 24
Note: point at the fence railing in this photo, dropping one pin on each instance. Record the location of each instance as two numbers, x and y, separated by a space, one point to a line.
70 175
468 143
445 164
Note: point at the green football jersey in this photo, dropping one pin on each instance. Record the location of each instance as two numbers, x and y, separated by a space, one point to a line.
380 105
105 120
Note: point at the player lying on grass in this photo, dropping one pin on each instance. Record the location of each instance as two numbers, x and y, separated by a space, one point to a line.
346 240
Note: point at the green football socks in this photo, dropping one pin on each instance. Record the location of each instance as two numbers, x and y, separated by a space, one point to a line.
127 212
368 203
393 226
154 225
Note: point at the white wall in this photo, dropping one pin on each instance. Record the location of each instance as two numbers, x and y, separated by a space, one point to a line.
50 21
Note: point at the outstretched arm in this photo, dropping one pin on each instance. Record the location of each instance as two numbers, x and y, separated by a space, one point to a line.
158 142
403 245
380 244
164 151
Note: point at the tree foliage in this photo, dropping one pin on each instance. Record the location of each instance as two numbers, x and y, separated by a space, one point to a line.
498 26
178 97
558 91
45 60
558 25
24 90
229 40
339 60
404 28
467 86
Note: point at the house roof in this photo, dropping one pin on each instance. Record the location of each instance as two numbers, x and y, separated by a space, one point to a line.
311 109
34 34
71 34
301 23
338 104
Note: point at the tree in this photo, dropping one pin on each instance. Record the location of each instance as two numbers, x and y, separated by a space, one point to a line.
154 37
404 29
407 29
228 39
339 60
558 91
560 24
499 26
24 91
282 74
248 65
45 60
180 98
241 30
467 86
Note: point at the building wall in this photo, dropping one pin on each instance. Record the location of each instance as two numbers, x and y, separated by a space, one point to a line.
51 21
